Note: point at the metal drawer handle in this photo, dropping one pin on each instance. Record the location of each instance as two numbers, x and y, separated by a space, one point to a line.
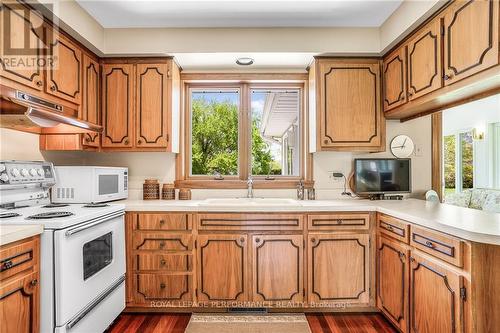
6 265
389 227
429 244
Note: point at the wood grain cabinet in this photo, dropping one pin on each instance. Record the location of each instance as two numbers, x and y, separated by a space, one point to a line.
91 98
277 268
393 281
470 38
118 105
222 267
140 97
338 268
424 61
64 78
436 297
19 286
394 75
348 106
20 26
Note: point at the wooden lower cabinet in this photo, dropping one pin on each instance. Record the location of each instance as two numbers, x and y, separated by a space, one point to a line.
163 287
277 268
393 281
338 268
222 271
435 293
19 287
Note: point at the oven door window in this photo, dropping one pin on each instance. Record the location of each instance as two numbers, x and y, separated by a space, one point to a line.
97 254
108 184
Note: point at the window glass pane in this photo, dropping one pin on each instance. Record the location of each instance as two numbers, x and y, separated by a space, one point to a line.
214 134
467 160
275 132
449 163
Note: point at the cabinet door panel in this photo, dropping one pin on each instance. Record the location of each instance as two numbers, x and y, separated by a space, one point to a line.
393 281
222 268
18 25
395 79
350 115
152 105
64 79
19 305
435 297
118 105
471 38
424 61
277 268
90 103
338 268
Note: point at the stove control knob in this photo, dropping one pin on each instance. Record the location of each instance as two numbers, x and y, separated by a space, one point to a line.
4 178
2 168
25 172
15 173
33 172
40 172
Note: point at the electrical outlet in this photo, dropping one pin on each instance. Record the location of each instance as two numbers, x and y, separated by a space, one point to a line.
417 151
336 179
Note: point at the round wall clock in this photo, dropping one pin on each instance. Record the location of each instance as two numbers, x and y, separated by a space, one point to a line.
402 146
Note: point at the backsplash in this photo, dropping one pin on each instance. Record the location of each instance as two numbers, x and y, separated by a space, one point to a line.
144 165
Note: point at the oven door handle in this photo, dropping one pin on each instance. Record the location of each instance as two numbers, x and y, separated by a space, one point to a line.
80 315
93 223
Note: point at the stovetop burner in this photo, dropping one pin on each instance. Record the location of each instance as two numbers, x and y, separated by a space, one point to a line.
55 205
49 215
7 215
96 205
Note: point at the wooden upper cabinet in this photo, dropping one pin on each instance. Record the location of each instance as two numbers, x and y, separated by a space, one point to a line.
277 268
436 303
424 61
395 79
23 29
470 38
222 268
90 103
393 282
152 105
350 116
64 78
118 105
338 268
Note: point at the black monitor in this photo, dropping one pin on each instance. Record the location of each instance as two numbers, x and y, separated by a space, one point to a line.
382 175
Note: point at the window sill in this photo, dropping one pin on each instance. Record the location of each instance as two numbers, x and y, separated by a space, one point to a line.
240 184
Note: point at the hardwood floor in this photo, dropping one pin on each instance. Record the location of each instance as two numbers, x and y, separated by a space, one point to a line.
319 323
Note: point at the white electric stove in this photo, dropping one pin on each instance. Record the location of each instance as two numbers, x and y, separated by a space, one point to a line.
82 257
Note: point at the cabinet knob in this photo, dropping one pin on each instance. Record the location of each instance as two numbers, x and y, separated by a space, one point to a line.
6 265
162 222
39 83
87 139
402 256
52 88
139 142
388 227
402 98
429 244
126 141
163 262
34 282
313 240
162 244
448 76
242 240
162 285
339 221
257 240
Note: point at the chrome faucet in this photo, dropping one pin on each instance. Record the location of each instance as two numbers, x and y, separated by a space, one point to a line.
300 190
250 187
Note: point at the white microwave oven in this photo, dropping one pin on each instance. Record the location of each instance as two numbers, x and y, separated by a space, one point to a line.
89 184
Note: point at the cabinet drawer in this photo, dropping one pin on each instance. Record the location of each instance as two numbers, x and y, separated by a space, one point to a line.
250 222
164 262
18 257
338 221
162 242
163 287
393 227
437 244
163 222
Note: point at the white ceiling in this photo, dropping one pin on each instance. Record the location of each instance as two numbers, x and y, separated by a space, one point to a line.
239 13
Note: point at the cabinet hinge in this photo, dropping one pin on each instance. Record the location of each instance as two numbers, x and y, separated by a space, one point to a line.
304 292
463 293
168 73
442 30
196 292
168 137
195 244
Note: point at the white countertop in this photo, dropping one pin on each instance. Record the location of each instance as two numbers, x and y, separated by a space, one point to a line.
15 232
469 224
